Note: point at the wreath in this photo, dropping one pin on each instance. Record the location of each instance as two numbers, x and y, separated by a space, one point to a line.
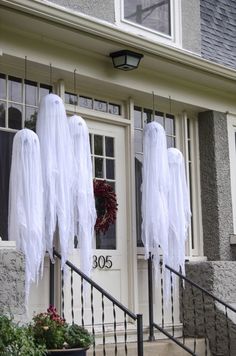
106 205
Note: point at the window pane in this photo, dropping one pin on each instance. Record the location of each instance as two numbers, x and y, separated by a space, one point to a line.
71 99
6 139
114 109
15 116
98 145
100 105
44 90
169 125
147 115
90 143
170 141
138 193
15 89
159 117
3 90
86 102
138 118
31 93
138 141
2 113
99 168
31 117
153 14
110 169
109 143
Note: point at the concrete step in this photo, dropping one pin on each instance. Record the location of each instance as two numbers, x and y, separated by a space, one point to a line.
156 348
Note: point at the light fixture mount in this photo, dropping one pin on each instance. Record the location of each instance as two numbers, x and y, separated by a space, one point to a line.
126 59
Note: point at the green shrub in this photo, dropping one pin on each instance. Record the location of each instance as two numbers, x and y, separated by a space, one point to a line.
18 340
77 336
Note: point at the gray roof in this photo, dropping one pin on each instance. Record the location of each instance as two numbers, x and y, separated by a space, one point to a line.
218 29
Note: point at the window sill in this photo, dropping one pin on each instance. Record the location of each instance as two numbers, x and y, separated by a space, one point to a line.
7 245
233 239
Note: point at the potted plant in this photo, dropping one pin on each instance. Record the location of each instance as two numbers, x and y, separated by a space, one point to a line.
49 329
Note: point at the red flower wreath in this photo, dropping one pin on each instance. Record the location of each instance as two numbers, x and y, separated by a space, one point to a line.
106 205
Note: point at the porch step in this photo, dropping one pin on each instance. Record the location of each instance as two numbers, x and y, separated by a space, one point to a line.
156 348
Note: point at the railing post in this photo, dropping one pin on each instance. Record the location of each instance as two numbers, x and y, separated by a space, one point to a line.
140 334
51 284
150 299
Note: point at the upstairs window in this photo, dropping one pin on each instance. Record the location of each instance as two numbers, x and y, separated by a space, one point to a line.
151 14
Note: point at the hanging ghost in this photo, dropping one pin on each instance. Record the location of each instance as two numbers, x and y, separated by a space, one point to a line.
26 211
155 188
57 168
83 194
179 209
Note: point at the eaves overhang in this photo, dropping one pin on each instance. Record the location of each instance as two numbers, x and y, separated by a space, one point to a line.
102 29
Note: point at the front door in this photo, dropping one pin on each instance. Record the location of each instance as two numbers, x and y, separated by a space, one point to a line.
110 250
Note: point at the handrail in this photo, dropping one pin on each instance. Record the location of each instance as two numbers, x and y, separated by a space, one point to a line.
201 288
100 289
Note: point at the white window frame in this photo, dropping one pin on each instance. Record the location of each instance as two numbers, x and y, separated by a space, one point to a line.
175 39
196 253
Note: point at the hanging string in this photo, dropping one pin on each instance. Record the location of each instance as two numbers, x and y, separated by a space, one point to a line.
153 106
25 85
75 100
50 77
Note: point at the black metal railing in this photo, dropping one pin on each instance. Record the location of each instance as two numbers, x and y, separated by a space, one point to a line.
201 314
87 303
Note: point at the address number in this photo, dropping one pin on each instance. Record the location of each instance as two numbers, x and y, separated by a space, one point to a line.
102 262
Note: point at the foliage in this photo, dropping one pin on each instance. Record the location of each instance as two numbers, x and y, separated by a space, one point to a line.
51 330
77 336
17 340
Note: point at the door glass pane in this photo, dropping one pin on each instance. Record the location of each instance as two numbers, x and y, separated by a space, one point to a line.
99 173
110 169
98 145
15 89
109 143
15 116
6 139
106 241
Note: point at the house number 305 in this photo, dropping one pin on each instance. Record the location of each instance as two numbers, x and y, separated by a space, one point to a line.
102 262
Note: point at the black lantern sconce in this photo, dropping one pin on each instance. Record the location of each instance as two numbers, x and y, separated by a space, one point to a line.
125 59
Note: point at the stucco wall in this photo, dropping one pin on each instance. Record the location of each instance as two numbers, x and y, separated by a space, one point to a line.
217 216
104 10
12 284
191 25
218 278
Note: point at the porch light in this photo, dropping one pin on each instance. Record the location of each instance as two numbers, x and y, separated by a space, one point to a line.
125 59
